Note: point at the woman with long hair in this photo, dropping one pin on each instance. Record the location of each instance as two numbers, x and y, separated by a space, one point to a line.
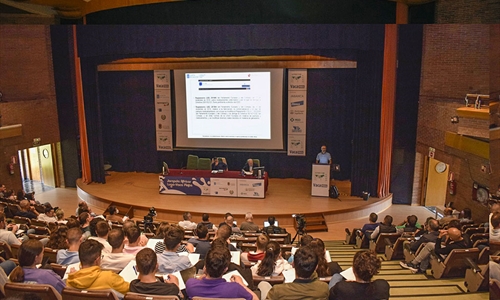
57 238
324 268
30 255
272 264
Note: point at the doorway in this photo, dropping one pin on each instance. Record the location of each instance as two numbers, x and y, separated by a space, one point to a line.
436 184
37 166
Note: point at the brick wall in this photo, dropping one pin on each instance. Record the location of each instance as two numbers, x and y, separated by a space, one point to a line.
467 11
455 61
494 61
27 83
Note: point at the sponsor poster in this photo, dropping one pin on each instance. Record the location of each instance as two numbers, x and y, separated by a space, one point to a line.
297 111
251 188
320 181
163 110
184 185
224 187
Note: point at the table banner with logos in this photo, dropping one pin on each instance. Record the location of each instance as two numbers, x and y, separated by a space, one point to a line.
251 188
223 187
163 110
181 185
297 111
320 181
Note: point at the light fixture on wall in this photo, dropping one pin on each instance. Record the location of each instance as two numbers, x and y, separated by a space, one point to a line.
454 120
36 142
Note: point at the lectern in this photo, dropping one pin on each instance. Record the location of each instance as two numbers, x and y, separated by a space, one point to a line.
320 181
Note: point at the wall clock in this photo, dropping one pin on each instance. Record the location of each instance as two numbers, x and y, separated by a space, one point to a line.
440 167
45 153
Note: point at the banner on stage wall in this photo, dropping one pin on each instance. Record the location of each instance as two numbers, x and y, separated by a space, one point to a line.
251 188
184 186
163 110
297 112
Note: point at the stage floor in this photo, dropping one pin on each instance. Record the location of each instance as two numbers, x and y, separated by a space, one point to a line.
284 198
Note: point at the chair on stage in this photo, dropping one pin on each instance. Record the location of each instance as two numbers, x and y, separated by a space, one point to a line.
256 162
204 164
454 264
192 162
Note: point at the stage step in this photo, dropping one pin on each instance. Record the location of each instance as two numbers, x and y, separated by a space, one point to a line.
314 222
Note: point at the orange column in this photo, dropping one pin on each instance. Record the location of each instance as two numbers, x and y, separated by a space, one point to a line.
401 13
387 110
84 148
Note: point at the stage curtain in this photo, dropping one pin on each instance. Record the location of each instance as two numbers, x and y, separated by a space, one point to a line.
388 106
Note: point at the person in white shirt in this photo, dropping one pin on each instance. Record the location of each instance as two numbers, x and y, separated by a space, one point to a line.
116 259
6 235
48 216
102 230
187 223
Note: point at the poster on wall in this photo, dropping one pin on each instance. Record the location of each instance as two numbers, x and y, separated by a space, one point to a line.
297 112
163 110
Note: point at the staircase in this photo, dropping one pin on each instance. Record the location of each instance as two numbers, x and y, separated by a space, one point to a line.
314 222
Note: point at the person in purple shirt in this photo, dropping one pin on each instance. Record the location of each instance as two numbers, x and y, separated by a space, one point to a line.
30 255
372 225
212 285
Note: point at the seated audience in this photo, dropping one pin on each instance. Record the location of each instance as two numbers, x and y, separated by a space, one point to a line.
306 284
431 236
421 262
84 218
271 229
143 240
30 255
58 238
48 216
272 264
325 268
73 223
113 215
409 225
249 225
60 216
259 253
365 264
90 276
212 285
186 223
116 259
304 241
224 232
466 215
27 211
229 221
495 227
70 255
384 227
7 236
447 217
169 260
102 230
371 225
148 283
160 246
201 241
133 234
205 220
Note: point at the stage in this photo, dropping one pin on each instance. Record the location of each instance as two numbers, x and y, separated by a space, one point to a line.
138 192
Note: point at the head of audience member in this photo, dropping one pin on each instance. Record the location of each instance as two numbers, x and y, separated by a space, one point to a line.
319 248
21 195
387 220
495 220
49 211
127 224
2 221
306 239
3 189
273 252
250 162
59 214
187 216
448 211
433 225
82 207
373 217
30 254
224 232
8 194
58 238
261 243
173 238
90 253
25 205
495 207
271 220
112 210
229 219
249 217
217 262
146 261
426 223
72 222
467 213
74 238
93 225
162 228
84 218
218 242
455 223
205 217
305 262
201 231
102 229
133 233
455 234
116 238
365 265
412 221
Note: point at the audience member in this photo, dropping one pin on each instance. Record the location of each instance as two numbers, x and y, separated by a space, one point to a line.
259 253
58 238
371 225
365 265
27 211
421 262
73 223
466 215
113 215
224 232
447 217
3 189
495 227
272 264
170 261
30 255
186 223
272 229
431 236
84 218
90 276
6 235
229 220
205 220
384 227
409 225
325 268
102 230
306 284
143 240
60 216
148 283
212 285
116 259
70 255
249 225
133 234
201 241
160 246
48 216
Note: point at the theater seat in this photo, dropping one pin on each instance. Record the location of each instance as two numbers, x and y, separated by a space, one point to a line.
271 279
395 250
476 276
137 296
75 294
205 298
379 245
44 291
454 264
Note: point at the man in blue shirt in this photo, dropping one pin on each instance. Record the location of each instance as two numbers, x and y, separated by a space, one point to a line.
323 157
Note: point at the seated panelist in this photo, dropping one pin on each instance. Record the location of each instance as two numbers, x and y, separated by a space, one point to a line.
219 164
248 167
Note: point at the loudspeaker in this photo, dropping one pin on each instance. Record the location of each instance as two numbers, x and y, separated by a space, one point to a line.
366 196
333 192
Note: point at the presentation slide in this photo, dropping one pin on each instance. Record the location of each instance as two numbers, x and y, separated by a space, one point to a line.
229 109
235 105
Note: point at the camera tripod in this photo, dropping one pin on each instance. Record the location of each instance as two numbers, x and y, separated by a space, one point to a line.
300 232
